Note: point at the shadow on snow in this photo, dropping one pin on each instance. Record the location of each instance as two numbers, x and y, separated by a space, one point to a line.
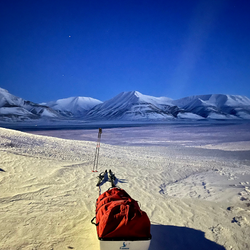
180 238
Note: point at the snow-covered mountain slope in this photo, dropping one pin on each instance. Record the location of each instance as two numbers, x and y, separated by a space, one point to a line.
74 106
13 108
127 106
134 106
216 106
7 99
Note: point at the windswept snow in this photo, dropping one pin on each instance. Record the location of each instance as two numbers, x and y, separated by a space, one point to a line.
195 197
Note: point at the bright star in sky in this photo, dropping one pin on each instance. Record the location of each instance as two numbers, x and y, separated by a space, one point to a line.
160 48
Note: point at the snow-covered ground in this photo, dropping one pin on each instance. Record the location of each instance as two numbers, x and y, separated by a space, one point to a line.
193 182
187 134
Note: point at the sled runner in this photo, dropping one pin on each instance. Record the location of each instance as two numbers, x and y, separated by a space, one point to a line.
120 222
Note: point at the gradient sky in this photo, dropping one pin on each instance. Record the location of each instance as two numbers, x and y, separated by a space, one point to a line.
52 49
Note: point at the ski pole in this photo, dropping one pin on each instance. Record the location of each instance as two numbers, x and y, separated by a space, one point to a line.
97 150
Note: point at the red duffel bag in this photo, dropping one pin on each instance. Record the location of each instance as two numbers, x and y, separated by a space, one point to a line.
118 216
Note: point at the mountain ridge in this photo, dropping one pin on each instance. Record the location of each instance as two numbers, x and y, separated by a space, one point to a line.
77 106
132 105
13 108
127 106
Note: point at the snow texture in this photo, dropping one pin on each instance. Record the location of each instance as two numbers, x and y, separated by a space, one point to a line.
190 180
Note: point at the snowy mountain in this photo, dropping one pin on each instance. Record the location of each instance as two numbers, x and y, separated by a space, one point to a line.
127 106
216 106
13 108
74 106
134 106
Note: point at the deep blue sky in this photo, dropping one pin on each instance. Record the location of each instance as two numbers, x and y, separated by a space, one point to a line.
52 49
